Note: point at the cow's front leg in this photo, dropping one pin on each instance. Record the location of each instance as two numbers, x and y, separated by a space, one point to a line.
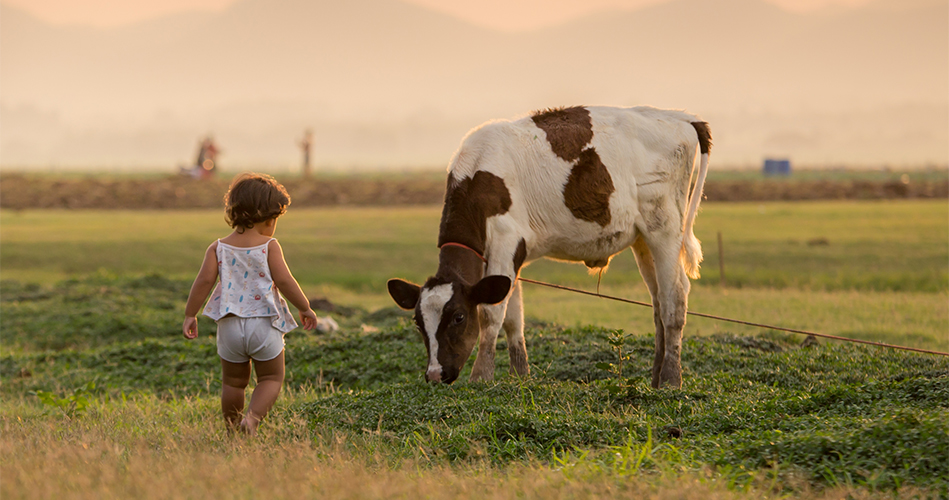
514 329
491 318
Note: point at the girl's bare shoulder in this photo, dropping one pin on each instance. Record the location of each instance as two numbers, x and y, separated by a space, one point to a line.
212 248
273 246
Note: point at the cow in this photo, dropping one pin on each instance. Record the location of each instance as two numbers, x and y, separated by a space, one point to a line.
577 184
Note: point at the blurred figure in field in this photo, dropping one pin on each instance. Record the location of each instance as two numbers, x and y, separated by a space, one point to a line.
205 164
207 157
305 144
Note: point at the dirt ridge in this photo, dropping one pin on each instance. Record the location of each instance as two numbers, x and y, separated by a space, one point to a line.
22 191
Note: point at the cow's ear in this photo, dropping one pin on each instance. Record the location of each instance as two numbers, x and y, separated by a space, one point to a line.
490 290
404 294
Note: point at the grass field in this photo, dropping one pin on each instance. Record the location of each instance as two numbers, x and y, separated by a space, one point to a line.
898 246
103 399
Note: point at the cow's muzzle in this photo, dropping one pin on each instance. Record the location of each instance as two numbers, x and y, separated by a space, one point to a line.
443 375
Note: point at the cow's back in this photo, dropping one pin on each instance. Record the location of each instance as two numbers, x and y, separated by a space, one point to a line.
576 176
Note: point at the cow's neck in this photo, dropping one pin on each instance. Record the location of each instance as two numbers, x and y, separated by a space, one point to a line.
461 263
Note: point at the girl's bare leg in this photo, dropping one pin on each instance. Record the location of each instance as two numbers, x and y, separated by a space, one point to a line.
269 382
235 377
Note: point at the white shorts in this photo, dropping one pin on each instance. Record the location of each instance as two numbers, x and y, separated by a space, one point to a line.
241 339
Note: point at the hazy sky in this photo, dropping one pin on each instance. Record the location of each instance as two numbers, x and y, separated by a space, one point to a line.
502 14
845 82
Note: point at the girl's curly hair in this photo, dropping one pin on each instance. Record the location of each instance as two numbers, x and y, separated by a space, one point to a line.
254 198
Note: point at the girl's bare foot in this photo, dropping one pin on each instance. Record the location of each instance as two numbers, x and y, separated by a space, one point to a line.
249 424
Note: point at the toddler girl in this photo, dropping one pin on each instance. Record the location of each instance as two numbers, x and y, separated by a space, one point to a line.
251 315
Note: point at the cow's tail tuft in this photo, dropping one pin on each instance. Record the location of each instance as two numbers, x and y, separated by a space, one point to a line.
691 254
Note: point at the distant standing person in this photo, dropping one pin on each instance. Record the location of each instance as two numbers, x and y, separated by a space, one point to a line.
251 316
305 144
209 165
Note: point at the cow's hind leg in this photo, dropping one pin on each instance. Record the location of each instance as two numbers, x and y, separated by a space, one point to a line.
514 329
673 287
647 268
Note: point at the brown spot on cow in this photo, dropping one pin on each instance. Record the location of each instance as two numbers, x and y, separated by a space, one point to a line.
568 130
468 204
588 189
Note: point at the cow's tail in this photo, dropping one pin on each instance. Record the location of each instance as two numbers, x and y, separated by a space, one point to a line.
691 254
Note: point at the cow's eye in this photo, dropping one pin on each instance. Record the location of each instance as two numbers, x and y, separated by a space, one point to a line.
458 319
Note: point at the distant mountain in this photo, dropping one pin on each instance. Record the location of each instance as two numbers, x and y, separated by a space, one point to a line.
257 49
389 83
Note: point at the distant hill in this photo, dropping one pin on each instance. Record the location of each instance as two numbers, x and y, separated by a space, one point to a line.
384 83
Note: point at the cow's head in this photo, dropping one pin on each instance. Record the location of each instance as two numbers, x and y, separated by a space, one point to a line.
446 314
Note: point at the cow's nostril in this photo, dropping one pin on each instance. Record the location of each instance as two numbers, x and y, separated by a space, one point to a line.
434 375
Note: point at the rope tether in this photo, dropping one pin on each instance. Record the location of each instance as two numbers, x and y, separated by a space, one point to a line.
759 325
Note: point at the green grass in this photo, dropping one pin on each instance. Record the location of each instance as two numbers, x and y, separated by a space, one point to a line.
869 246
899 246
836 414
912 319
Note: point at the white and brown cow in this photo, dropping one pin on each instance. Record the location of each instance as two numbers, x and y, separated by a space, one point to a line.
577 184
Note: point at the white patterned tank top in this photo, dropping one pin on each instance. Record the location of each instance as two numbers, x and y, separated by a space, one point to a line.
246 288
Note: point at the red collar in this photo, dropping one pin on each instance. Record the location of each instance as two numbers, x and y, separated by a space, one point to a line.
453 244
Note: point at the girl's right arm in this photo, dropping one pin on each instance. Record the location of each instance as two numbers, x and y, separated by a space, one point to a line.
200 290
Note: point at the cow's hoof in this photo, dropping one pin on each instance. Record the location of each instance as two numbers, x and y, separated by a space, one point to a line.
670 377
656 370
481 377
519 365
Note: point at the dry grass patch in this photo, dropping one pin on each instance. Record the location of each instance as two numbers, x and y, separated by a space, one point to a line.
146 448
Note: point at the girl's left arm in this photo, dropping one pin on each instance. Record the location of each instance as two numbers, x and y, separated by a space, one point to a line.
200 290
288 285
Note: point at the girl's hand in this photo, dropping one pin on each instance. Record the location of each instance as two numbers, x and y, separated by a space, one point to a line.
308 319
190 327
